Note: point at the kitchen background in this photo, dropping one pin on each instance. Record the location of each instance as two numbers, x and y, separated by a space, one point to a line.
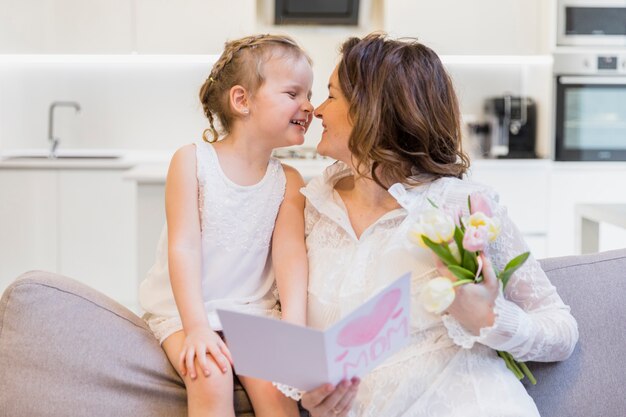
135 67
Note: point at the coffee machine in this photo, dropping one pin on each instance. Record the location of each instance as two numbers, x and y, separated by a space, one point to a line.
512 127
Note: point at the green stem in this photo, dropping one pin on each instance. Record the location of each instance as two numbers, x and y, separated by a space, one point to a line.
527 372
461 282
511 364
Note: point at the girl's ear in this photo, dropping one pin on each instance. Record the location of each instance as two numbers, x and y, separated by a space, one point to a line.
239 100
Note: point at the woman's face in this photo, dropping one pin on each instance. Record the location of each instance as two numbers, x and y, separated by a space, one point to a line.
337 128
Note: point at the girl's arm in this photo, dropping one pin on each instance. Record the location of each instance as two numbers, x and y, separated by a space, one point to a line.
185 261
289 251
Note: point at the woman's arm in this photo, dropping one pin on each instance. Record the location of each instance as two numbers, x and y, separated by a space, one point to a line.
289 251
530 320
185 261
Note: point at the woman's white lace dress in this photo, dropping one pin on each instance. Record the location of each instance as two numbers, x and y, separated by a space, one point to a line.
445 371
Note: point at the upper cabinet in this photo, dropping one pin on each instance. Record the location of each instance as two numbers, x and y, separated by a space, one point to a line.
122 26
66 26
191 26
451 27
476 27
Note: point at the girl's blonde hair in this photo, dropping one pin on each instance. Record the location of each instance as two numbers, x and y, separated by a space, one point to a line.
241 63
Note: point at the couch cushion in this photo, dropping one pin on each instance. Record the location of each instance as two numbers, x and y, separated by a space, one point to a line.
66 349
591 381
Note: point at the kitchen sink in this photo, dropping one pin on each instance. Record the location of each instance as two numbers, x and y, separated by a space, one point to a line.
61 154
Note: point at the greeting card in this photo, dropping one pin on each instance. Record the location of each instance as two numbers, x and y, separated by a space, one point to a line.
306 358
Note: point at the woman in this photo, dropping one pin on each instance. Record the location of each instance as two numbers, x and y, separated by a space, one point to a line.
392 117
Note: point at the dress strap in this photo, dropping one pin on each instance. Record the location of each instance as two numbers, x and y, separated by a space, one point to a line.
204 160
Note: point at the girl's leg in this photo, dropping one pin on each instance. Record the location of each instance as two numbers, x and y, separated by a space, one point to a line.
206 396
266 400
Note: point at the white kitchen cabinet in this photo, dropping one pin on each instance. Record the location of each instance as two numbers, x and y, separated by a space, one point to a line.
150 222
13 17
122 26
191 26
541 198
76 222
524 189
490 27
28 222
97 231
583 183
66 26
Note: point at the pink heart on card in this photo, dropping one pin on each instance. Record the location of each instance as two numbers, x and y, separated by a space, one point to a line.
364 329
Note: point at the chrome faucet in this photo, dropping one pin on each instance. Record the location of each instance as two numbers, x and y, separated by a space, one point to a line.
54 142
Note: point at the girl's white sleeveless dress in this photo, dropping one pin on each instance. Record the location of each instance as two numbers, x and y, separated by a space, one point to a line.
236 225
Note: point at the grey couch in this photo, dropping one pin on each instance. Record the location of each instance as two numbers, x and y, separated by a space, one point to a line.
67 350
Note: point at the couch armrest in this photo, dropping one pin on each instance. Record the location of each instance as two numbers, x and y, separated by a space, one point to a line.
590 382
66 349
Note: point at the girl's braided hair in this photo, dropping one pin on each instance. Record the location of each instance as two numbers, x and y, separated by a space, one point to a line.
241 63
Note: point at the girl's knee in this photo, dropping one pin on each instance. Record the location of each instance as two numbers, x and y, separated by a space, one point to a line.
217 385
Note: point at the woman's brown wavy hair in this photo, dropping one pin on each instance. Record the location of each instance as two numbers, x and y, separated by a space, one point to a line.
404 111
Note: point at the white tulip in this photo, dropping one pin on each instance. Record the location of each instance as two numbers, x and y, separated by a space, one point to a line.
433 223
437 295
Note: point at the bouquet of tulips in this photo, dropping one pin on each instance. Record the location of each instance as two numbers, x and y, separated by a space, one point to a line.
458 242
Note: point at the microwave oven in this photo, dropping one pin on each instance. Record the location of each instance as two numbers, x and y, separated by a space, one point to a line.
591 23
590 105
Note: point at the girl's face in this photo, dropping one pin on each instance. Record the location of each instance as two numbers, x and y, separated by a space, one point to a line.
280 110
337 127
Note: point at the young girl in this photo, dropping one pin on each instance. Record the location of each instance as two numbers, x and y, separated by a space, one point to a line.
226 201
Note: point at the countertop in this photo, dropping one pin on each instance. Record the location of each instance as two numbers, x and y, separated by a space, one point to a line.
151 166
97 159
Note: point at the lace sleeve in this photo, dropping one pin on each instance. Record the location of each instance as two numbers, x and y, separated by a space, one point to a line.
288 391
532 322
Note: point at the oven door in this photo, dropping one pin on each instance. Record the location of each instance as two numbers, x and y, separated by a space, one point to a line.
591 22
590 118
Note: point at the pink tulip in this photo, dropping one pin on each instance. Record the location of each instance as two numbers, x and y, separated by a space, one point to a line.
475 238
455 212
480 203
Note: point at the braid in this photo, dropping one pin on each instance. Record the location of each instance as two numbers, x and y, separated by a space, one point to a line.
205 93
232 48
213 130
234 67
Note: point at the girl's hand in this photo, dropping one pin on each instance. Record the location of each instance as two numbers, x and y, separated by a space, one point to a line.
199 342
473 304
329 401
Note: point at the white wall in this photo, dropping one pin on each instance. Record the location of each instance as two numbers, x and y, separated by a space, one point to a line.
124 104
154 106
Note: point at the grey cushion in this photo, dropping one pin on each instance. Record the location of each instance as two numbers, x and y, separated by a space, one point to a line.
591 382
66 349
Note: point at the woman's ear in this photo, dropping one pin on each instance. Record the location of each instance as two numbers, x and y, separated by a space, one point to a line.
239 100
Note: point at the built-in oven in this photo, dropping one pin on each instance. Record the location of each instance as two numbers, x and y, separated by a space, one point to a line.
591 22
590 106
